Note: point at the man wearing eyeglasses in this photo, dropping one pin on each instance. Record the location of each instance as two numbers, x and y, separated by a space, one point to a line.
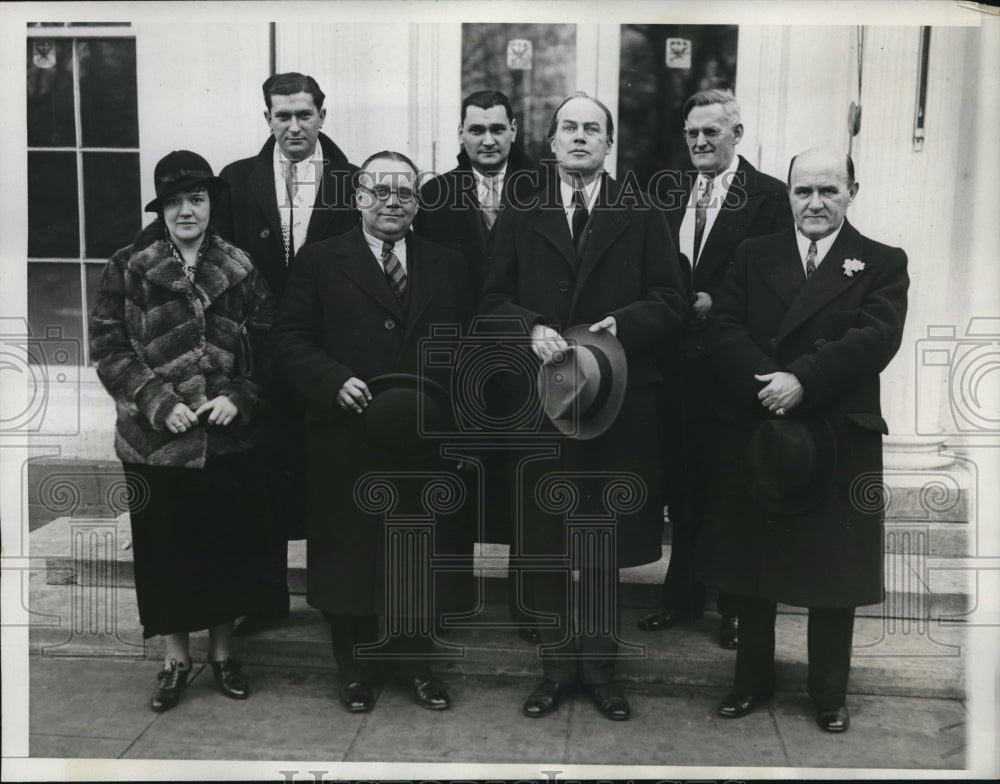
296 190
356 308
725 201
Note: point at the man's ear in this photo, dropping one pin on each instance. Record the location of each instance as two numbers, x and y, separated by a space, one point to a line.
737 133
513 129
322 116
854 190
267 117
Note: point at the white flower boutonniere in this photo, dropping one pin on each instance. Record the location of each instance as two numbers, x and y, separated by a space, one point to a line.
853 265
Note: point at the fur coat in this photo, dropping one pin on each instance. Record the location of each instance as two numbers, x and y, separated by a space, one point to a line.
159 339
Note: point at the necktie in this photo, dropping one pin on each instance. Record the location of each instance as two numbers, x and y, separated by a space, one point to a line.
288 232
811 260
579 215
394 272
699 220
491 206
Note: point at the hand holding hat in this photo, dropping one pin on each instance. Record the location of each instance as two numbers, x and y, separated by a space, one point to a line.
782 393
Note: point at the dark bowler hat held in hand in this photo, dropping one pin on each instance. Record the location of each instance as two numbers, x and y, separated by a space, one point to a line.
403 408
582 388
790 463
180 170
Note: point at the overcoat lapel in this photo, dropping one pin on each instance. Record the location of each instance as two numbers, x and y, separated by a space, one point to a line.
782 267
261 183
606 224
828 282
552 225
729 227
361 266
423 262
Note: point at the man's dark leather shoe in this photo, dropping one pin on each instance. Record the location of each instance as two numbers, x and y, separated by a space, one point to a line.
169 685
230 678
664 619
736 706
729 632
251 624
545 698
837 720
428 693
529 634
357 696
610 701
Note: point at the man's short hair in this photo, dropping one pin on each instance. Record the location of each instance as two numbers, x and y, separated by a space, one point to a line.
848 166
580 94
392 156
291 83
723 98
487 99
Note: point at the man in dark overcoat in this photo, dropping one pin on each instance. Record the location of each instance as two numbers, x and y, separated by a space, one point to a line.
296 190
589 253
803 325
355 309
722 203
464 208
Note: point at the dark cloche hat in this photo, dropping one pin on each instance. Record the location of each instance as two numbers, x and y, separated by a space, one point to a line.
179 170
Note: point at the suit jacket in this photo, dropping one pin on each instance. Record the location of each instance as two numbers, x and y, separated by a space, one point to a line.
248 214
836 332
450 212
338 319
627 269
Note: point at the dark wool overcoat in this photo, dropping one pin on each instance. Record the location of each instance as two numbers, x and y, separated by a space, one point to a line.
627 269
835 332
159 340
339 319
248 217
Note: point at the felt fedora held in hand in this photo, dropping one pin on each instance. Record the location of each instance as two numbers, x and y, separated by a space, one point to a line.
790 463
582 388
180 170
403 409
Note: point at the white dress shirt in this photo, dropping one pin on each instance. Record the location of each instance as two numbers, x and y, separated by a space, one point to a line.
307 174
822 246
399 248
590 192
720 188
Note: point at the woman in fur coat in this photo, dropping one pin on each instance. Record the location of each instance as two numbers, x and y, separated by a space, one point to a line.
171 333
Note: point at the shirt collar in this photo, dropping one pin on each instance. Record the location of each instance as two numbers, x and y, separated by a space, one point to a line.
280 160
590 192
376 244
823 245
481 178
721 181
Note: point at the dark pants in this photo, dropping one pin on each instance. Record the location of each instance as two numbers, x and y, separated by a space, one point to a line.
687 433
274 575
830 632
409 654
583 646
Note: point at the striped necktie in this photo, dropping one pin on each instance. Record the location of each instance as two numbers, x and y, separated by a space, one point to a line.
394 272
811 260
699 220
491 206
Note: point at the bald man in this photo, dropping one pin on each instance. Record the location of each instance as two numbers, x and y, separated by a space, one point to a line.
805 321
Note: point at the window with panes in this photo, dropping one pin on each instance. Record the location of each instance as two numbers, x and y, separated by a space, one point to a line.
83 167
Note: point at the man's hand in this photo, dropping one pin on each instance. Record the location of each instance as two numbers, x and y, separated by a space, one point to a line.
221 410
608 323
782 392
181 418
354 395
546 342
702 304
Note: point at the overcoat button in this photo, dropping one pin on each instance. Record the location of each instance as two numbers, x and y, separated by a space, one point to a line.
773 342
390 324
265 233
819 343
563 286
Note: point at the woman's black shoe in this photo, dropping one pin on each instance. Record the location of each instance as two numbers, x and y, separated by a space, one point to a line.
169 685
229 675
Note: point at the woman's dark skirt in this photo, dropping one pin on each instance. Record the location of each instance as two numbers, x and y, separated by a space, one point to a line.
199 543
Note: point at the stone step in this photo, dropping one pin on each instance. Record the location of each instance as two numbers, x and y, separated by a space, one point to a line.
902 659
917 586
